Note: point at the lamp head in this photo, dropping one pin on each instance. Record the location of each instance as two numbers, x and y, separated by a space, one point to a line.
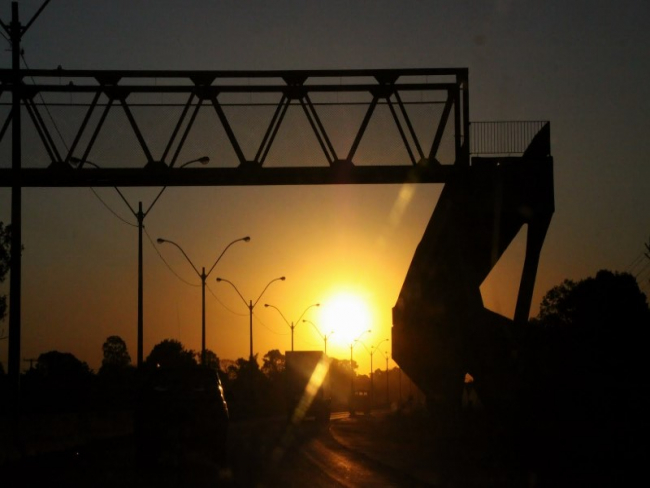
219 279
266 305
282 278
246 239
78 161
203 160
160 240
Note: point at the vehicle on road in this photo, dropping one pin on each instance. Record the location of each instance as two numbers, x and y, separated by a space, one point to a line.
307 385
360 402
180 411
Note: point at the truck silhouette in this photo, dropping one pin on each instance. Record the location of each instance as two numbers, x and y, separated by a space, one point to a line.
307 386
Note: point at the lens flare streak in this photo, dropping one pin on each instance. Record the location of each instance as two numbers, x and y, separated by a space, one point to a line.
311 390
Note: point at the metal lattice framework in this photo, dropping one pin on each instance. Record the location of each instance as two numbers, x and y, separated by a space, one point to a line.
99 95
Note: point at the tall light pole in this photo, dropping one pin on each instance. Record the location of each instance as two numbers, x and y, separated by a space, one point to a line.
323 336
399 380
372 351
251 306
351 367
139 215
387 382
292 325
203 276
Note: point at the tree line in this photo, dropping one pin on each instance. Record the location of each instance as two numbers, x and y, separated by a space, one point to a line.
58 381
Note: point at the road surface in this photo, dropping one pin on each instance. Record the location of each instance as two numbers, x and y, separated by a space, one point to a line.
262 453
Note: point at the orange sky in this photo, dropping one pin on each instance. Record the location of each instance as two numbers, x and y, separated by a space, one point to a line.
581 69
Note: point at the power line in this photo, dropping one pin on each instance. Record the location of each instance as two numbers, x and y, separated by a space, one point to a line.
65 144
268 328
223 304
45 105
166 263
111 210
645 267
635 263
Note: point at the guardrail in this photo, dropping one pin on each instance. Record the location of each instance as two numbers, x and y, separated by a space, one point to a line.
503 138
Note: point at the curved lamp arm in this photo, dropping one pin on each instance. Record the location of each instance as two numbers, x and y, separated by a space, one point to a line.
305 311
80 162
281 314
202 160
360 335
281 278
369 351
160 240
374 348
233 285
245 239
322 336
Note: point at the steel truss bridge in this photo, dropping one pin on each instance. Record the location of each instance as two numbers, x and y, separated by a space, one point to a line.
208 103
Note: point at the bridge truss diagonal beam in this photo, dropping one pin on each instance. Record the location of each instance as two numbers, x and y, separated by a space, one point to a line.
99 93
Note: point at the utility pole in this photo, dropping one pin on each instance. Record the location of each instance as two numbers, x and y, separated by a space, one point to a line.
16 31
15 34
140 216
399 381
387 383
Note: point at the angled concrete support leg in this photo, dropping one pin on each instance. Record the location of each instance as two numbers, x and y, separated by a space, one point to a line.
534 241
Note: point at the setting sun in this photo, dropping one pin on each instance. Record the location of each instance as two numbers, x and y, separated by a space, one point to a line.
347 314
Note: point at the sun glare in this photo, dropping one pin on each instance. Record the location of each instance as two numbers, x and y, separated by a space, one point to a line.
347 314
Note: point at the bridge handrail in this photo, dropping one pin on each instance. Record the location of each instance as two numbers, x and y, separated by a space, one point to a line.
504 138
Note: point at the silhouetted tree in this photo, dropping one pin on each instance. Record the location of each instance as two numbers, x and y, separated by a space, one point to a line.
229 368
211 359
596 333
273 368
170 353
116 379
61 365
250 392
273 365
589 372
116 355
59 381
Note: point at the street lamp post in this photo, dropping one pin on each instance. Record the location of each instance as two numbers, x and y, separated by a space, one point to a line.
323 336
203 276
399 380
292 325
387 383
351 367
139 215
372 351
251 306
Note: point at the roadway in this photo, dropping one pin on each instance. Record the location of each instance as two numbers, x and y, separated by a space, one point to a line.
349 452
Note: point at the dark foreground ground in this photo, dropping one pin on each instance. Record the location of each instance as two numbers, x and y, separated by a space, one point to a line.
474 453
